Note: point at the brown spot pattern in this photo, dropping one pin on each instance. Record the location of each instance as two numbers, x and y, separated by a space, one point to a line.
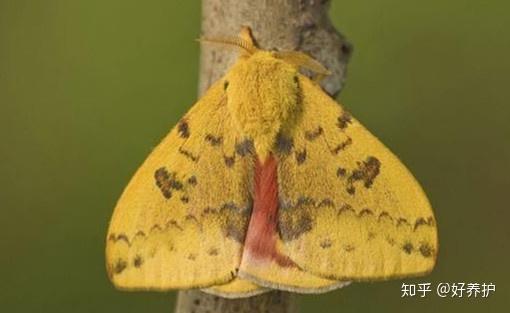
341 172
326 202
232 230
245 147
192 180
188 154
349 248
213 251
341 146
183 129
408 247
366 172
184 199
326 243
284 144
301 156
312 135
138 261
344 120
364 212
293 224
167 182
295 221
214 140
229 161
119 266
426 250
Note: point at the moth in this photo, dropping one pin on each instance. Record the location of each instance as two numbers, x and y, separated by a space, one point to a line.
268 183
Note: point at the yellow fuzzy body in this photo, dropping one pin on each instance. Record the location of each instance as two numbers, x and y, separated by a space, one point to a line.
261 92
348 208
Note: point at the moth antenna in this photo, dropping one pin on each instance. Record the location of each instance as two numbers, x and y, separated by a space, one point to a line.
243 41
303 60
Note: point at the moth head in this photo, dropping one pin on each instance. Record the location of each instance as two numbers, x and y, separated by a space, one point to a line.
262 88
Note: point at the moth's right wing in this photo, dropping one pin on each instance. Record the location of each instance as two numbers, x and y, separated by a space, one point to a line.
350 210
181 221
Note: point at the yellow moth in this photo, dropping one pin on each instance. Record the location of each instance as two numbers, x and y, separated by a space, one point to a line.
268 183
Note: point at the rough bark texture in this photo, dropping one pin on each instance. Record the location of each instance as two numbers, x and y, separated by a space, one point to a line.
194 301
281 25
276 24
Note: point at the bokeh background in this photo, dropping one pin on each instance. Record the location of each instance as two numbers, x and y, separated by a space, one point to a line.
87 88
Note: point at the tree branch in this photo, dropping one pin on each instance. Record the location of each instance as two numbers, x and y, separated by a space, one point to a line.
276 24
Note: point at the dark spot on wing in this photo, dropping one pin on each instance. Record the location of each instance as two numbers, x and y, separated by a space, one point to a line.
345 208
326 202
183 129
245 147
214 140
365 212
120 237
192 180
167 182
349 248
236 221
326 243
140 233
138 261
402 221
284 144
341 146
384 215
426 250
119 266
229 161
173 223
209 210
225 85
232 230
184 199
156 227
293 223
390 240
305 201
188 154
341 172
312 135
408 247
423 222
344 120
213 251
366 172
301 156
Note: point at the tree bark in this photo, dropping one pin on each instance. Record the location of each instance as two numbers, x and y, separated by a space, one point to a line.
301 25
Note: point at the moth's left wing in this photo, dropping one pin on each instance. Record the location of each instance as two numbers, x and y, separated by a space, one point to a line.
349 209
181 221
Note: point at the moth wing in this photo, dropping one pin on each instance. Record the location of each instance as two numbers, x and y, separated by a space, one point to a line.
181 220
237 288
350 210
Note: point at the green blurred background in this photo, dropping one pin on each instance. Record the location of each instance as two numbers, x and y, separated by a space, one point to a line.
87 88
